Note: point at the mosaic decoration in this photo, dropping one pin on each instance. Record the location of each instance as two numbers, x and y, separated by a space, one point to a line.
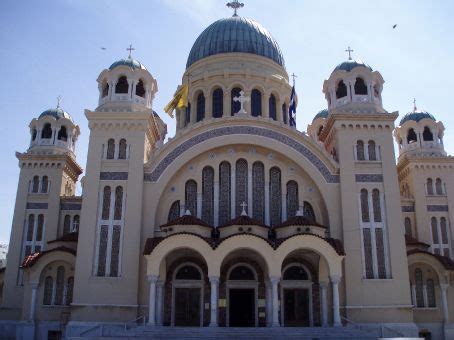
437 208
408 208
31 205
225 193
292 199
241 185
258 191
70 206
369 178
113 176
275 196
208 195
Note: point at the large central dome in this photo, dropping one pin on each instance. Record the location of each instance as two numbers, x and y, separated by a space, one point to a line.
235 34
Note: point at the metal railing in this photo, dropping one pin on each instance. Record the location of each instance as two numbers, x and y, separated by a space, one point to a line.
130 324
381 328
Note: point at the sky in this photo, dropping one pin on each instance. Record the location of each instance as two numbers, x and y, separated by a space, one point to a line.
51 48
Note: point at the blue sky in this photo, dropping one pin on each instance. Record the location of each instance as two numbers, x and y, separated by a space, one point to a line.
50 48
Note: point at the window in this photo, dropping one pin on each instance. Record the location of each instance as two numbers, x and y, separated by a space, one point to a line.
62 134
341 90
174 211
241 185
69 291
235 106
140 89
200 107
440 238
258 191
122 85
105 89
364 205
427 135
110 149
118 203
407 224
191 197
371 150
256 103
76 223
34 133
292 199
272 107
376 205
360 151
438 186
187 118
275 196
106 203
285 113
419 288
296 273
60 285
411 136
423 294
242 273
430 187
188 272
225 194
67 225
430 293
122 149
40 228
360 86
46 133
218 103
48 290
308 211
34 234
44 184
208 195
35 184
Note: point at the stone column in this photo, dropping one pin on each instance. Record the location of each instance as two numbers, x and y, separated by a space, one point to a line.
265 105
208 105
34 287
275 299
152 279
269 305
324 303
336 314
159 302
216 202
214 281
226 104
444 301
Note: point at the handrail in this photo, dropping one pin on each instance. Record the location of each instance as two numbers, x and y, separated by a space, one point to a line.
381 327
92 329
142 317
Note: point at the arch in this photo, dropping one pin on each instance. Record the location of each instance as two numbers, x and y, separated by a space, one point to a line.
62 134
242 271
275 196
188 271
200 107
272 107
235 106
411 136
360 86
341 90
241 184
225 192
218 103
371 150
296 272
110 149
421 257
258 191
407 223
140 89
292 199
122 149
46 133
174 211
208 195
191 197
427 135
60 255
256 103
122 85
360 151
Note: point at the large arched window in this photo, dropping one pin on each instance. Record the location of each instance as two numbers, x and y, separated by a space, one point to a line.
364 206
411 136
341 90
110 149
60 285
275 196
191 197
106 203
258 191
308 211
218 103
376 205
105 89
419 288
235 105
62 134
285 113
430 187
48 290
208 195
44 184
272 106
122 149
360 150
292 198
256 103
371 150
188 272
46 133
118 212
242 273
200 107
224 193
174 211
122 85
427 135
438 186
241 185
140 89
66 224
76 223
295 273
407 223
360 86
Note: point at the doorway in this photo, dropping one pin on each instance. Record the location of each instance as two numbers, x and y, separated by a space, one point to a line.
296 308
242 307
187 307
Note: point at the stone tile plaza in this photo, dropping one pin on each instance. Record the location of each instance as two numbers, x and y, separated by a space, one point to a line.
239 221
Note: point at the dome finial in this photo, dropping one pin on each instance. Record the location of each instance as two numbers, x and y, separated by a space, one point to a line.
414 105
349 50
58 102
130 49
235 5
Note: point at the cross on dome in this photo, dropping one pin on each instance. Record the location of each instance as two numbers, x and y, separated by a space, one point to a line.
235 5
130 49
58 102
293 75
414 105
243 205
349 50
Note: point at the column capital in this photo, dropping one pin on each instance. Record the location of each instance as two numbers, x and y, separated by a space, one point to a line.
160 283
335 278
34 285
323 284
275 279
214 279
153 278
444 286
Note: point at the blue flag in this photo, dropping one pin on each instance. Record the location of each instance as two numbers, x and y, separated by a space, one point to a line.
292 107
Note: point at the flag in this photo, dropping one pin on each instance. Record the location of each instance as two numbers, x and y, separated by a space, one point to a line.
292 107
179 100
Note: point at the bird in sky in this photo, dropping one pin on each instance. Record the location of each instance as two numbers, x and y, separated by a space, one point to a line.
103 48
394 26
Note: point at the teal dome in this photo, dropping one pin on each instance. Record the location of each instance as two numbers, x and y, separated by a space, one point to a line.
322 114
56 113
416 116
350 65
235 34
132 63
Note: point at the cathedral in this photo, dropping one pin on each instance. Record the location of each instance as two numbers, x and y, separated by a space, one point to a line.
239 219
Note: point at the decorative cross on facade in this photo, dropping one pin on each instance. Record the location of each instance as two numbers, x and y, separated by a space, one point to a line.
294 76
242 99
414 105
58 102
130 49
243 205
349 50
235 5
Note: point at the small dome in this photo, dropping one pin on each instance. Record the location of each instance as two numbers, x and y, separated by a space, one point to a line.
235 34
416 116
132 63
350 65
322 114
57 113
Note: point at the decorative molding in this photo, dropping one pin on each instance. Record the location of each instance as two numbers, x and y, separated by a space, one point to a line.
241 130
408 208
369 178
437 208
31 205
113 176
70 206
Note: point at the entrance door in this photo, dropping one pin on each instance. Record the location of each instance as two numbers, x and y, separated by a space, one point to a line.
187 307
296 307
242 308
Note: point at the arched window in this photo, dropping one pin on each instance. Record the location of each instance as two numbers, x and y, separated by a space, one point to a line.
376 205
34 133
118 203
235 106
69 290
122 149
200 107
364 206
140 89
48 290
208 195
122 85
320 129
430 187
376 91
427 135
444 230
360 86
371 150
419 288
295 273
46 133
188 272
115 252
411 136
256 103
62 134
60 285
243 273
433 224
218 103
35 184
258 191
292 198
105 89
407 223
191 197
111 148
66 224
308 211
272 106
76 223
174 211
368 266
275 196
285 113
30 227
430 293
241 185
44 184
40 228
106 203
187 118
360 150
341 90
102 252
438 186
224 193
